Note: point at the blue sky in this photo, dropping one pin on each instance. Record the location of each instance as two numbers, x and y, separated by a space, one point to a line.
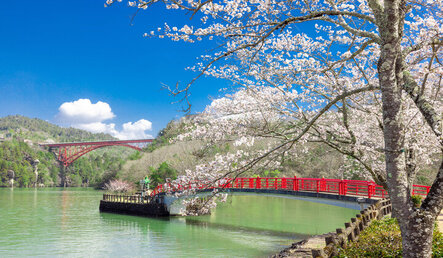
52 52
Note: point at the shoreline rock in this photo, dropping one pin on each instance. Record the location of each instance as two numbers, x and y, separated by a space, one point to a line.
304 247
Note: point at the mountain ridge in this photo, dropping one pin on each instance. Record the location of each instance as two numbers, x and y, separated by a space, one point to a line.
39 130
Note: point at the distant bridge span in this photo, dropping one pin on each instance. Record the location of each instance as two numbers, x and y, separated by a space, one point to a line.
70 151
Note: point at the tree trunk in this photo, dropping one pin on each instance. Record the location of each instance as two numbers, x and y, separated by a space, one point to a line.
410 167
417 234
416 225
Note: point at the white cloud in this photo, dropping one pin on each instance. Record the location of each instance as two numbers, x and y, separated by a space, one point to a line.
97 127
135 130
82 111
84 115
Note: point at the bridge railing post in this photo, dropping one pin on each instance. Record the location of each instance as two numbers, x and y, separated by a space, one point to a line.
369 190
258 183
341 187
295 184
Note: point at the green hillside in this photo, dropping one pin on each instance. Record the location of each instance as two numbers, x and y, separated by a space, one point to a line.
24 163
38 130
311 159
319 161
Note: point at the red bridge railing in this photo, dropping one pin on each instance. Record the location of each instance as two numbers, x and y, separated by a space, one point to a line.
362 188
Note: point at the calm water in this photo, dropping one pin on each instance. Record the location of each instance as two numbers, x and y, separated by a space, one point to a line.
66 222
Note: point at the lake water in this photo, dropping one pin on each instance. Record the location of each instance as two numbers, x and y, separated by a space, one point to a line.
66 222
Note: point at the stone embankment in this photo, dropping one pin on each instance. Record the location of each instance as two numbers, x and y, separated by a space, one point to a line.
304 248
328 245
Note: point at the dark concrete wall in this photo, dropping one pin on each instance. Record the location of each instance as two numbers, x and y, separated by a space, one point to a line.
306 194
299 193
151 209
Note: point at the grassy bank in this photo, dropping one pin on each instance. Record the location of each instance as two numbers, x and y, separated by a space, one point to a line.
382 239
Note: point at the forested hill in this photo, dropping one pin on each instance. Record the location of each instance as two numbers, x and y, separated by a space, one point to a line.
39 131
23 163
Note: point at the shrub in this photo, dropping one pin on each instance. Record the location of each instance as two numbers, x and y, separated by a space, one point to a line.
159 175
118 186
437 243
416 199
272 173
135 156
383 239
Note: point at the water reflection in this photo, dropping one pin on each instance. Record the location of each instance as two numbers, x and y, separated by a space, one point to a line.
271 213
66 222
248 230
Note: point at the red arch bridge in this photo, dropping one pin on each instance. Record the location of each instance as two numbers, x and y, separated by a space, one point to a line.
69 152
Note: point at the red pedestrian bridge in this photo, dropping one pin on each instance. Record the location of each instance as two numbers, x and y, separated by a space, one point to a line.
292 185
69 152
353 194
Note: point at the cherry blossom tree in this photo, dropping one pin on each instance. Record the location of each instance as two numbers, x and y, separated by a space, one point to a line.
362 76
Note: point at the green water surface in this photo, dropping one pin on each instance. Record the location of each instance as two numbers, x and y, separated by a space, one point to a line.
56 222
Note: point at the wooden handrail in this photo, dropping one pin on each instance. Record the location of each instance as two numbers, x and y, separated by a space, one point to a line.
126 198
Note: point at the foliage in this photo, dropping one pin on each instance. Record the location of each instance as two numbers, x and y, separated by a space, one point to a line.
172 129
39 130
118 186
417 199
312 160
19 157
158 176
135 156
437 243
179 155
383 239
93 169
271 173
